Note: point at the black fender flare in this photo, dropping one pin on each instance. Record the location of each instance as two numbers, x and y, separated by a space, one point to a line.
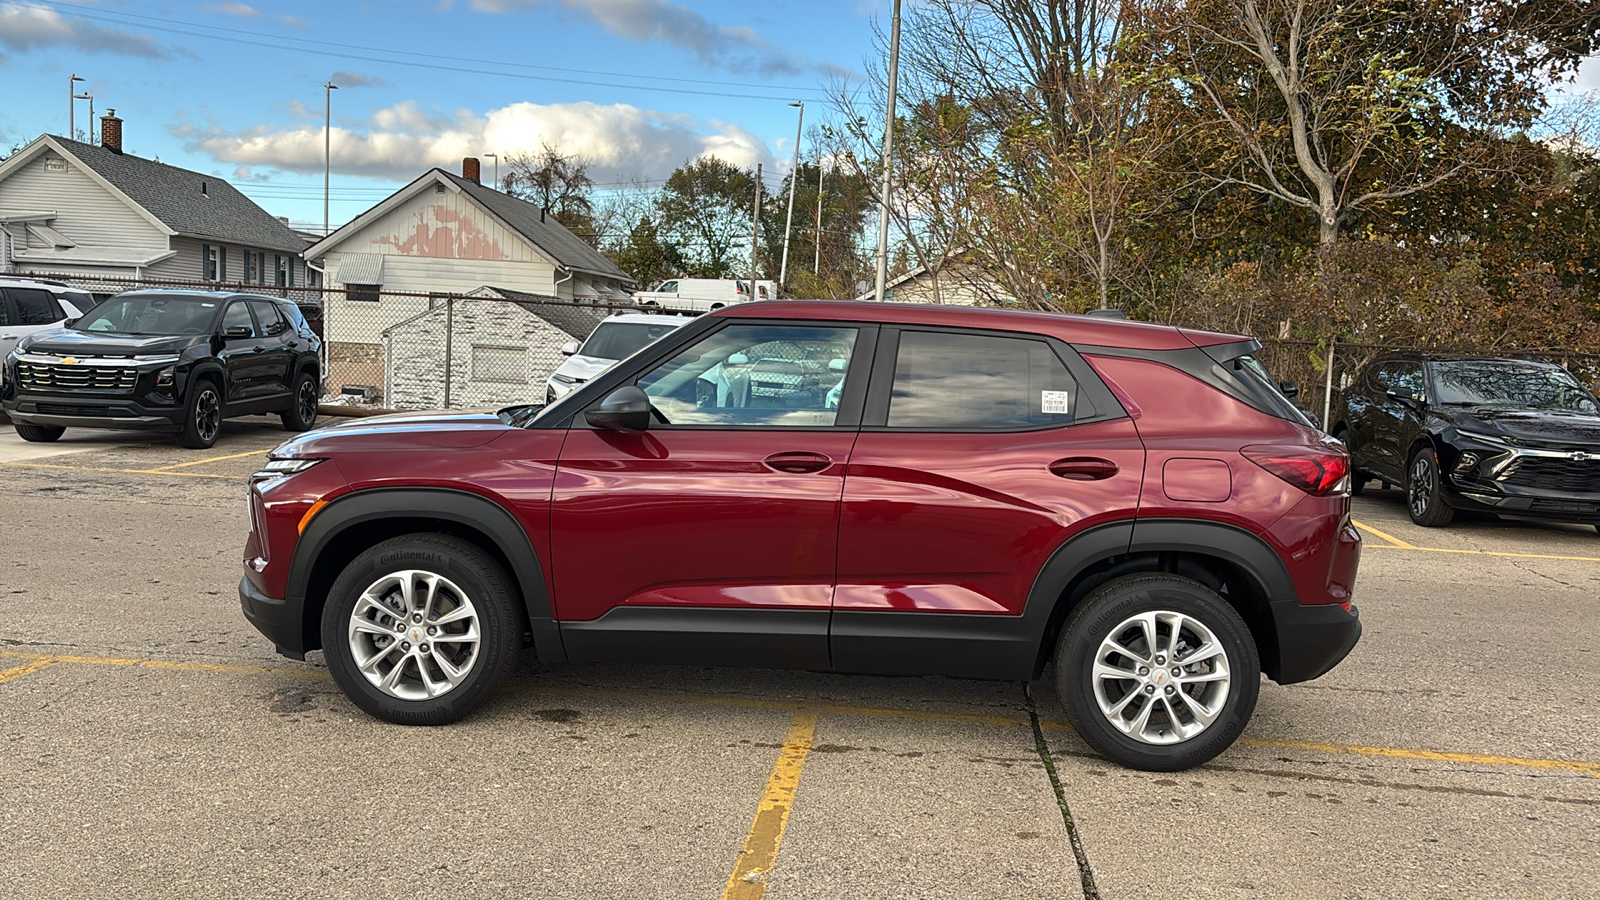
463 507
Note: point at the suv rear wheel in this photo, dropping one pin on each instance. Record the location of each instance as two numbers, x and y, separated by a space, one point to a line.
1157 672
302 411
418 629
39 434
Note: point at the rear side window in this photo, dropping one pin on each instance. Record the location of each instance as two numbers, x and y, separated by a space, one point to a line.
272 323
34 307
945 380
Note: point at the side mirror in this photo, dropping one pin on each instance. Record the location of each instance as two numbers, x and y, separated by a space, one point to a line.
238 332
738 359
835 365
1289 388
625 409
569 348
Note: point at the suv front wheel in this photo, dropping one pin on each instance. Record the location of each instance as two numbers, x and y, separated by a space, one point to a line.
1424 493
1157 672
418 629
202 419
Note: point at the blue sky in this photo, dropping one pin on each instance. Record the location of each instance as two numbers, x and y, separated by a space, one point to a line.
235 88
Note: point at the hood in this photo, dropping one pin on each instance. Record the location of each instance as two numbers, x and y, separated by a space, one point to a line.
444 430
66 342
583 367
1533 426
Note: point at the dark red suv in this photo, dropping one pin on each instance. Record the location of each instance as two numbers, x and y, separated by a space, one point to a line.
873 488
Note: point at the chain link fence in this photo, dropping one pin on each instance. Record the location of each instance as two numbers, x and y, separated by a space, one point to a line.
398 350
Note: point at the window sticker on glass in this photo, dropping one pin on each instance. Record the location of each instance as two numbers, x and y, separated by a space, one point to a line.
1055 402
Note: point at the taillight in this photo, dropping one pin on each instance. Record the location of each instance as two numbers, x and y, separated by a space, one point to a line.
1318 471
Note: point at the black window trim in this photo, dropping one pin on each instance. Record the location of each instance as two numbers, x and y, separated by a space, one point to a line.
851 400
1090 388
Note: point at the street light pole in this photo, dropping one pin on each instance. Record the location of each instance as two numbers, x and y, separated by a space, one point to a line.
72 107
794 177
496 159
755 232
816 264
888 156
328 88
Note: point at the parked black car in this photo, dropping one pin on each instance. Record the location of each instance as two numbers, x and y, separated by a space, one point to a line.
178 361
1509 436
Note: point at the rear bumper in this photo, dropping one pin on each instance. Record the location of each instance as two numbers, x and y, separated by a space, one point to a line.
1313 639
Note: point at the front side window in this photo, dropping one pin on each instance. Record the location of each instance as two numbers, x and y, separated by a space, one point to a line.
238 315
784 376
946 380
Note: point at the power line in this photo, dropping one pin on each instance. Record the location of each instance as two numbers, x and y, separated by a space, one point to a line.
281 43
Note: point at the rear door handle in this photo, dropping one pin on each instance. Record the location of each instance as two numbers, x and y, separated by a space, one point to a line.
797 462
1083 468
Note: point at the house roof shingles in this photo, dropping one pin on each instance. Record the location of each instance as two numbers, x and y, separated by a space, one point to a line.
173 195
543 231
578 321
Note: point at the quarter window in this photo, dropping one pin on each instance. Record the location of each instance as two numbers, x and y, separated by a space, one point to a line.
945 380
769 376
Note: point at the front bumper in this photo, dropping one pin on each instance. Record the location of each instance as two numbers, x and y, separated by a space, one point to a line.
278 619
92 412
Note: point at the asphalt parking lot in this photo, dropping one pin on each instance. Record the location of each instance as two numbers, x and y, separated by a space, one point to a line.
152 745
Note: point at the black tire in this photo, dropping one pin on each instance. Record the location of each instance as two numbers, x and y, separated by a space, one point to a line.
466 579
38 434
1358 478
302 412
202 417
1107 614
1424 492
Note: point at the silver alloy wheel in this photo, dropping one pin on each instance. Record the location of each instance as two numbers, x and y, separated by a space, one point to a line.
207 414
307 401
1161 677
1422 485
414 634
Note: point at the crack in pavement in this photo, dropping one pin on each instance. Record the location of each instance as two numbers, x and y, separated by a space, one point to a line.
1085 871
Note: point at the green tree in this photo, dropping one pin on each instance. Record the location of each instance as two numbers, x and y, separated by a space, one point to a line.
645 256
704 210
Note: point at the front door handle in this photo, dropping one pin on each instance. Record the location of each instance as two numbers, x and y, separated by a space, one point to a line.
797 462
1083 468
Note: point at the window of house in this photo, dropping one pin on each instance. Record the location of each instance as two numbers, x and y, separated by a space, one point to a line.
249 267
508 365
211 261
768 376
946 380
280 266
364 293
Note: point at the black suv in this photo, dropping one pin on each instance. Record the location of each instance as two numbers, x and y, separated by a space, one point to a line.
178 361
1510 436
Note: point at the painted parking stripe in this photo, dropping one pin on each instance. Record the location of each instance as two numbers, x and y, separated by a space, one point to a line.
1381 536
1397 544
1583 766
748 881
125 471
24 669
201 462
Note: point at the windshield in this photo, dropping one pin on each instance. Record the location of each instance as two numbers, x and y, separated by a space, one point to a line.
148 315
620 340
1509 383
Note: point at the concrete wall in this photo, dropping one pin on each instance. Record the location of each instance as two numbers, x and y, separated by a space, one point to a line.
500 354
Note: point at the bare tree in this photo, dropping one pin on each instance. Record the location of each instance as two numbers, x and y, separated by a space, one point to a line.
556 182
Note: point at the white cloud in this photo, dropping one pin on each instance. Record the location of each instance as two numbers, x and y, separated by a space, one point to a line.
734 47
400 142
241 10
292 21
24 27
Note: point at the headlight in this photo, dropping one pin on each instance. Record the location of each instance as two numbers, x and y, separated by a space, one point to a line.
564 379
1485 438
281 468
163 358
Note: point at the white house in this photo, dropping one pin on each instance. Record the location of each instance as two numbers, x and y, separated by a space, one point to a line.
444 234
100 216
497 345
955 283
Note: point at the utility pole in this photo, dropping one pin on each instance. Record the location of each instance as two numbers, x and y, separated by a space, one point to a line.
328 88
72 106
794 177
755 231
888 155
816 264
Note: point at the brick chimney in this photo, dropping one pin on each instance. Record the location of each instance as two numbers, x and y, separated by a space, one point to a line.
111 131
469 169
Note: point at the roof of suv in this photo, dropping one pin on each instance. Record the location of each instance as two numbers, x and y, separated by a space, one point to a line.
1089 330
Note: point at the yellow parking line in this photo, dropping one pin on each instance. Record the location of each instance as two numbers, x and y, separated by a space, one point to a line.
748 880
24 465
1490 553
24 669
1381 536
201 462
36 661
